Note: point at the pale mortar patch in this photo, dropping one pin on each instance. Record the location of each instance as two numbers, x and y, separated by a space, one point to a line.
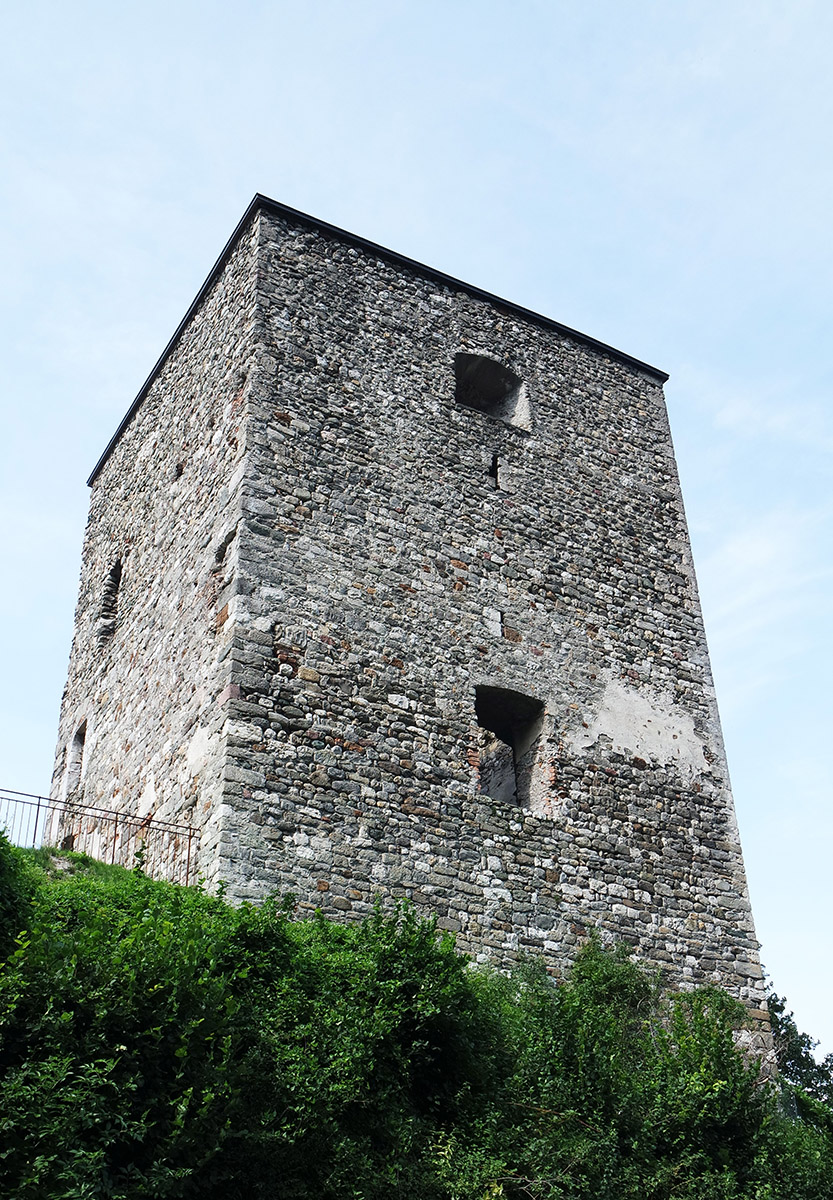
647 724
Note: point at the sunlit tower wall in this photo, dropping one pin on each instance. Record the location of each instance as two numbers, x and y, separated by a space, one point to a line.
387 588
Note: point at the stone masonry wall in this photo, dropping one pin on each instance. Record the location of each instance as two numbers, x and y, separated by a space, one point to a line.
324 555
383 577
153 687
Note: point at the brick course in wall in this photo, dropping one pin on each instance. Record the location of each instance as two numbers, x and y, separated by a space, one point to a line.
388 544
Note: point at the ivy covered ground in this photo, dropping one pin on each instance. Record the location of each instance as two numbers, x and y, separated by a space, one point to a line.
156 1042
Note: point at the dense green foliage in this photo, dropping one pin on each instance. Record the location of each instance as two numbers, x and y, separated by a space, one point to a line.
155 1042
18 882
794 1051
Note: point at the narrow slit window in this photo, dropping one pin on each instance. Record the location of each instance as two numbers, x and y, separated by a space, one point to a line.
75 760
109 604
510 729
489 387
494 472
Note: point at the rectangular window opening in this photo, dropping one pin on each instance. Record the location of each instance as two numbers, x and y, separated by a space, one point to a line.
489 387
510 724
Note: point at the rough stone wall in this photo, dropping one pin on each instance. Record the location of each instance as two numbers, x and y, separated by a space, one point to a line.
148 671
325 555
384 576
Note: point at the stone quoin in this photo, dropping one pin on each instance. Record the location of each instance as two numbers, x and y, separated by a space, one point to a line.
387 588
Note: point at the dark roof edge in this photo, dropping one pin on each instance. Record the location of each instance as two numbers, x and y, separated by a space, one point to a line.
293 214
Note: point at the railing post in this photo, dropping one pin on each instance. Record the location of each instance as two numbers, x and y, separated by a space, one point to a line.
35 831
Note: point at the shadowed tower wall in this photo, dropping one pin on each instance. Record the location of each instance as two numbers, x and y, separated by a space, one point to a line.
407 608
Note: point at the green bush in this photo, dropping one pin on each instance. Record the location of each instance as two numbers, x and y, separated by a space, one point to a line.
17 886
794 1053
156 1042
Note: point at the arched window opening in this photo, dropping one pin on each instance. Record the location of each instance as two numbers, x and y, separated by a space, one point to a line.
109 604
510 729
75 761
490 388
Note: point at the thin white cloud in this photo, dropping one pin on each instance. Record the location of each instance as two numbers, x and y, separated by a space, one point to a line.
763 573
781 408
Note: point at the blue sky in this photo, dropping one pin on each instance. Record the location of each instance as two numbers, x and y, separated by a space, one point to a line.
658 175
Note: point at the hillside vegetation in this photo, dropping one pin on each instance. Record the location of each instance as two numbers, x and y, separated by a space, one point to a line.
157 1042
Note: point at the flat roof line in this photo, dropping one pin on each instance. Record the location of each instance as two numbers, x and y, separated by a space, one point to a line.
300 218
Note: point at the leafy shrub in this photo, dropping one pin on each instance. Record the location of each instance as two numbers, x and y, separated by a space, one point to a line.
155 1042
17 885
794 1054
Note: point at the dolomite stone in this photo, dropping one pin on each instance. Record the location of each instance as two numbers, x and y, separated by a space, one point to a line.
324 554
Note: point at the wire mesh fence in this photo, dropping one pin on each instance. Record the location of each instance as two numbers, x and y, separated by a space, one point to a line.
163 849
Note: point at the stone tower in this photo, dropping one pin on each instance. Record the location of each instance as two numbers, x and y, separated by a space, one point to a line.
387 588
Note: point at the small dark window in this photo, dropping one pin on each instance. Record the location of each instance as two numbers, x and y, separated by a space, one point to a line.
75 760
109 604
493 472
510 728
491 388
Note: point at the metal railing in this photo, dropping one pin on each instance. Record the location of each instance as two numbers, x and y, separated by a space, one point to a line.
163 849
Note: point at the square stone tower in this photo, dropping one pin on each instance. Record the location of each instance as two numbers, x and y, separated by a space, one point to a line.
387 588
